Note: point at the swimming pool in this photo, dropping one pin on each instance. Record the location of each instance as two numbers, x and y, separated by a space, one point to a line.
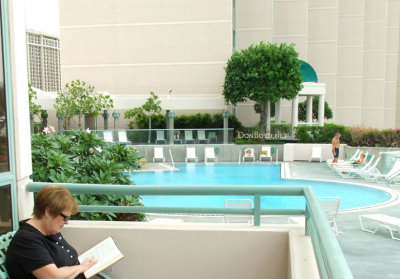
352 195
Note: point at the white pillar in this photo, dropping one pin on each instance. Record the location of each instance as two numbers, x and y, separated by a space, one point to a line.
321 110
295 113
309 109
278 112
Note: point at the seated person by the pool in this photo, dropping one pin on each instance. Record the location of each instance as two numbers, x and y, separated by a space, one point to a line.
248 153
355 163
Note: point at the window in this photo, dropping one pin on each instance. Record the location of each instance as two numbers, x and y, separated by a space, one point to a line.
43 62
5 209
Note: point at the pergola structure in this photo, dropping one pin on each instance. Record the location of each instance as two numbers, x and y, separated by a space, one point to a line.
311 88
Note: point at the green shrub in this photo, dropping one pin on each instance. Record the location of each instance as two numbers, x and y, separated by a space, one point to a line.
373 137
321 134
85 158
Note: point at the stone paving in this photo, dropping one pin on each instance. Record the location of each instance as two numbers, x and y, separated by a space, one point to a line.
368 255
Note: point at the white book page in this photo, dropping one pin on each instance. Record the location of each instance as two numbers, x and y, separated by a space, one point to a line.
106 252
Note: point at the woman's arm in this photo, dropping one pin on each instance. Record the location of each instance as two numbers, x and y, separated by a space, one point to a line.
51 271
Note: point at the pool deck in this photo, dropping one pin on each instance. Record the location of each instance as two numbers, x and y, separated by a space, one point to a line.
369 255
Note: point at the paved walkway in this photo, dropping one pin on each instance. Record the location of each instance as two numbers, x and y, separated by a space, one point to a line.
368 255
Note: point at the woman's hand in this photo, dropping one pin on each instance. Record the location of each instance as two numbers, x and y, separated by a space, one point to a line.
88 263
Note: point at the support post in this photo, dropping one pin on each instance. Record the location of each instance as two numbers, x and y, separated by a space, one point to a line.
295 114
321 110
225 115
60 123
105 115
309 109
116 116
278 112
170 134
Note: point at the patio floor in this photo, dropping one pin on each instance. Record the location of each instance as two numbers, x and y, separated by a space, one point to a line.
368 255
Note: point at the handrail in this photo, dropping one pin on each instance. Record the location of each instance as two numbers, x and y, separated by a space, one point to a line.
330 258
172 159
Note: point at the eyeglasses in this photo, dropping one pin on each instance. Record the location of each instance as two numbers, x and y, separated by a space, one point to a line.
66 218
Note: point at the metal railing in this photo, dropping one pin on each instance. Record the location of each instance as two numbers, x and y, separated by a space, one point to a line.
330 259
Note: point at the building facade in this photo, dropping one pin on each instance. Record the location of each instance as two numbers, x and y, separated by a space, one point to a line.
129 48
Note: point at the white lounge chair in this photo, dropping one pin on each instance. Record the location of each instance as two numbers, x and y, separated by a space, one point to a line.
381 220
191 154
238 203
381 177
160 137
209 154
248 154
201 136
371 170
355 157
316 153
108 136
122 138
189 136
158 154
352 171
393 179
330 206
265 152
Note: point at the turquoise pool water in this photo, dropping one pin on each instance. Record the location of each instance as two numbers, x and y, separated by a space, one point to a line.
352 196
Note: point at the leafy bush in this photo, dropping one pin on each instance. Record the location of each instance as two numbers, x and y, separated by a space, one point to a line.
373 137
321 134
191 121
85 158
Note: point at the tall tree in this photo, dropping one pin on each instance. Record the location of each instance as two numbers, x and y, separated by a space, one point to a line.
263 73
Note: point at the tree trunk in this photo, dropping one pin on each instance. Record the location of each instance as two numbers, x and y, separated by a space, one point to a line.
263 117
149 137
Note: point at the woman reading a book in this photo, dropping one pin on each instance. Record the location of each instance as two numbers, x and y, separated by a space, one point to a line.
38 249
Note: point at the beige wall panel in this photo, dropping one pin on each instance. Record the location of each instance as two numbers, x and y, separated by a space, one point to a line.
372 118
148 44
350 61
373 93
247 37
77 12
322 24
245 112
375 36
322 3
392 41
183 79
375 10
374 65
389 119
322 56
299 42
330 81
391 68
393 13
351 7
254 14
290 17
390 95
350 30
348 117
348 92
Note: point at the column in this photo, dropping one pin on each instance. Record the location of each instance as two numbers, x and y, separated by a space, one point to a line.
321 110
278 112
105 115
116 116
295 114
60 123
309 109
225 115
170 132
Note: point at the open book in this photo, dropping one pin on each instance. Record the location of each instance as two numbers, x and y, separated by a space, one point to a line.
106 252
